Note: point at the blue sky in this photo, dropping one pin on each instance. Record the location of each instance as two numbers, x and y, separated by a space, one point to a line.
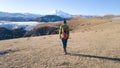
83 7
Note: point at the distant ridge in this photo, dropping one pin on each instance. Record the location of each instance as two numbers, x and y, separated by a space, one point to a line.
6 16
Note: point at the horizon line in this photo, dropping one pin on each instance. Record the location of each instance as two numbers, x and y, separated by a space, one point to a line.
63 11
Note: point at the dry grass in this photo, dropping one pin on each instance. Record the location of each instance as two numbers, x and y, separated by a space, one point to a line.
97 47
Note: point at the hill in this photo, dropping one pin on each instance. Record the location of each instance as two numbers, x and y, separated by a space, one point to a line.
50 18
92 44
30 29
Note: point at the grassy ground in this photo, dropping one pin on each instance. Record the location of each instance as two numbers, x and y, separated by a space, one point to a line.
95 47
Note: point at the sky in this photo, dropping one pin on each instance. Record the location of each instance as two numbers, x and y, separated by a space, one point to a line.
74 7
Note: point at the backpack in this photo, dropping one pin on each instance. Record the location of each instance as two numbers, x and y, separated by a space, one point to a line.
64 34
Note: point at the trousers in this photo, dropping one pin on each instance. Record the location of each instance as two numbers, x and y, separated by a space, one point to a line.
64 42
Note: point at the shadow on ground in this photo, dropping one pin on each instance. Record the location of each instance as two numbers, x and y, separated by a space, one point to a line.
93 56
6 52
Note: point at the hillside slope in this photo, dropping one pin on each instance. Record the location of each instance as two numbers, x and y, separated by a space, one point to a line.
97 47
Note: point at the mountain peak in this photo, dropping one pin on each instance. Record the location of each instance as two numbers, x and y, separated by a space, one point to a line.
60 13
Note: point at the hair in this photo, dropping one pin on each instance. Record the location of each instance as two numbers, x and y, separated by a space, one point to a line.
65 21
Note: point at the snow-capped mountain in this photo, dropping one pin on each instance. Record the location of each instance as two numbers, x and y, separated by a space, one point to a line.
6 16
27 15
60 13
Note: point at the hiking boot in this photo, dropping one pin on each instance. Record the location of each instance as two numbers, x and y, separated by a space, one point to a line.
65 53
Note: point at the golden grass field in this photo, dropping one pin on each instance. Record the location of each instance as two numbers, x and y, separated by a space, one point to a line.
93 43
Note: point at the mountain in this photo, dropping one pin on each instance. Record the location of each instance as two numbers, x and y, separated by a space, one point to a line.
5 16
49 18
61 14
26 15
54 16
